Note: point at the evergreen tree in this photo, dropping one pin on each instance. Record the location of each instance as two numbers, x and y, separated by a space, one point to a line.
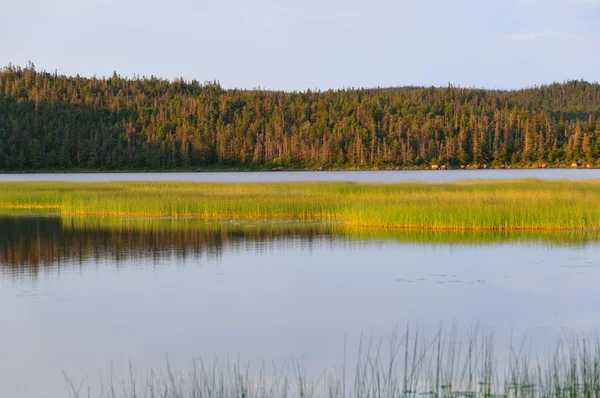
54 121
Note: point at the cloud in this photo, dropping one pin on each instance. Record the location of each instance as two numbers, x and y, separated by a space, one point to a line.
523 36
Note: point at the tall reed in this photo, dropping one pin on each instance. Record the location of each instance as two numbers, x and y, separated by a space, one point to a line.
407 364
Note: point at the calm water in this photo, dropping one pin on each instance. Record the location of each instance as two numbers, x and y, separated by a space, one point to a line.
87 297
283 176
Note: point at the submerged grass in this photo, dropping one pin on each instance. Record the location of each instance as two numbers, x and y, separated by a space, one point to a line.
405 365
476 205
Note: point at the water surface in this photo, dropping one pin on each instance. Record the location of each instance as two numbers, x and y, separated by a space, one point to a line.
81 294
288 176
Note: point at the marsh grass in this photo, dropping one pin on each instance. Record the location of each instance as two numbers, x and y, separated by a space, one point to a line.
404 365
480 205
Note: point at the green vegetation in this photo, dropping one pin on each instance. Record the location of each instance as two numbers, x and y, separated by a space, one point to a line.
501 206
52 122
408 365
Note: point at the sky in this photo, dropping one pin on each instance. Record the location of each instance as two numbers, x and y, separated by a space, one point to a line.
317 44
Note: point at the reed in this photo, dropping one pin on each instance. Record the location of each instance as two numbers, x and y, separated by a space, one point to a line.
476 205
407 364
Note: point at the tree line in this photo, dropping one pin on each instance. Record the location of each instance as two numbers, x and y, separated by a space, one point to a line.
52 121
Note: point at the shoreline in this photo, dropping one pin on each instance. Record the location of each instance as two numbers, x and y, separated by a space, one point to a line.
279 170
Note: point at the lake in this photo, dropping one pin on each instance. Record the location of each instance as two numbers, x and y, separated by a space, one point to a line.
288 176
90 296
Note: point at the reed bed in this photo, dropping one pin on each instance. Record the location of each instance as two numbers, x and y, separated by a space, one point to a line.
405 365
476 205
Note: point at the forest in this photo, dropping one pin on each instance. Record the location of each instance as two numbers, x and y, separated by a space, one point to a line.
50 121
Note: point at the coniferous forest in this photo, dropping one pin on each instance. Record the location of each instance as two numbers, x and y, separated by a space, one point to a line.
50 121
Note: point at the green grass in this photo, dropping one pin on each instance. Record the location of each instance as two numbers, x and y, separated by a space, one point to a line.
491 205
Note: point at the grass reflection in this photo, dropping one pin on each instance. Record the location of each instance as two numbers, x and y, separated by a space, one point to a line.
30 242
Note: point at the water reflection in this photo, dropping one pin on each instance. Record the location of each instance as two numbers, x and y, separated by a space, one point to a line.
80 294
29 243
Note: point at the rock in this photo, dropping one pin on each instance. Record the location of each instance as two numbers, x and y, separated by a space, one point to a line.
543 166
462 166
485 166
196 171
443 167
435 167
588 166
573 165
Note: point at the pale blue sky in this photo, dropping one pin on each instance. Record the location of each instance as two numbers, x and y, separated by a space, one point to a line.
294 45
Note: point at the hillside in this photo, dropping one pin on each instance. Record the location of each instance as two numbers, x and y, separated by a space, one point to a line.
51 121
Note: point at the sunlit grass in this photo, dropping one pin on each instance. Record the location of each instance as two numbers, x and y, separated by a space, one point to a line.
491 205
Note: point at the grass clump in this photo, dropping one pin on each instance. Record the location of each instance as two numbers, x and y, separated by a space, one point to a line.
479 205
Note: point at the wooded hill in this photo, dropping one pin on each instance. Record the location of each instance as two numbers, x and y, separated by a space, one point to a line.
51 121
